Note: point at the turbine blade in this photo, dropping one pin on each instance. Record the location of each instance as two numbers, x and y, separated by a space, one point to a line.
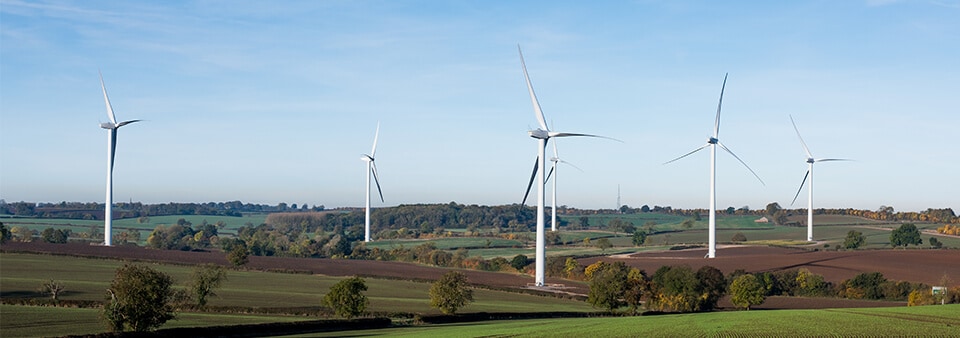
741 162
555 152
559 134
801 187
533 96
804 144
831 159
121 124
373 152
106 100
716 123
113 147
554 166
687 154
373 168
571 164
532 178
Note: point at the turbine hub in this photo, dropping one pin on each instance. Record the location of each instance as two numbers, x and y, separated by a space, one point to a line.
712 140
810 160
366 158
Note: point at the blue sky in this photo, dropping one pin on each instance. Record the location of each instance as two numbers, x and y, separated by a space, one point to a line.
271 102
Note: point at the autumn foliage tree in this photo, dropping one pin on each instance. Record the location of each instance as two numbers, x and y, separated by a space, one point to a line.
450 292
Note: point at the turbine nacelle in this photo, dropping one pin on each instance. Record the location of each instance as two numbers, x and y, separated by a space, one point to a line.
712 140
811 160
366 158
539 134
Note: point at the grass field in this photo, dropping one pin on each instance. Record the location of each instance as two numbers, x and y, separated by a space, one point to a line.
37 321
927 321
79 225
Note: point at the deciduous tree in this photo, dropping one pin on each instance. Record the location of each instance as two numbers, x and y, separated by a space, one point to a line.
747 291
206 278
139 299
608 283
905 235
450 292
346 298
639 237
854 239
52 288
519 262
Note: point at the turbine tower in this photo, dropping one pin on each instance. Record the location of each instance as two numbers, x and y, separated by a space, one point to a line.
713 142
810 162
371 169
555 173
112 126
542 134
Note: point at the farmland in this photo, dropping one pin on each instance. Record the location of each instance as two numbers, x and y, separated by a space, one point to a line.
297 283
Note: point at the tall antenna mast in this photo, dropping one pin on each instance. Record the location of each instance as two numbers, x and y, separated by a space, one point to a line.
618 198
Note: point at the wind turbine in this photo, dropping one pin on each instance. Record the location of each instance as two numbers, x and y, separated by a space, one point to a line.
555 173
713 142
112 126
810 162
371 169
542 134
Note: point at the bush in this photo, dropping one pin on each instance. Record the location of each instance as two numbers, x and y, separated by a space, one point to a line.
920 297
738 237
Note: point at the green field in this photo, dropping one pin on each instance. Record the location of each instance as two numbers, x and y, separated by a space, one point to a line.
79 225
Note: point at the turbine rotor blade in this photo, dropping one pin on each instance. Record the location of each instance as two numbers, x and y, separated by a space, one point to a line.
559 134
831 159
533 96
571 164
106 100
801 187
113 147
741 162
121 124
804 144
536 165
373 168
716 123
373 152
687 154
554 166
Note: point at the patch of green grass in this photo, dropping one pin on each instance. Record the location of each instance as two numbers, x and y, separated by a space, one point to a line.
902 321
446 243
45 321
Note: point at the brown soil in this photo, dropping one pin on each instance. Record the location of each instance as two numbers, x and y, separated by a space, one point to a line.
322 266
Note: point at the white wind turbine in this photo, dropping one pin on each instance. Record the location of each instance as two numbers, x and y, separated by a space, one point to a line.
542 134
713 142
810 162
112 126
371 169
555 173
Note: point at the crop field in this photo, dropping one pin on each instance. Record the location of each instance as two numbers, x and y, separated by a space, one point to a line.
447 243
79 225
929 321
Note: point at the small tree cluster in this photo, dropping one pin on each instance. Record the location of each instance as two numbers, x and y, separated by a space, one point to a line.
746 291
